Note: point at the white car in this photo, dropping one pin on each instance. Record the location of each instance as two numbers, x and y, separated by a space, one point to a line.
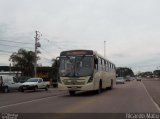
8 83
34 84
139 79
132 78
120 80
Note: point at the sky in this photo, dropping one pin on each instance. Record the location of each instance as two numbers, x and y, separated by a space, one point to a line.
131 29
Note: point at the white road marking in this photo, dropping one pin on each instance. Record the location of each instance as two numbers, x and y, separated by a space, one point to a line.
35 100
158 108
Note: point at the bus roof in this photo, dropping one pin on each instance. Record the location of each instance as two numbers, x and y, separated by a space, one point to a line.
82 52
99 55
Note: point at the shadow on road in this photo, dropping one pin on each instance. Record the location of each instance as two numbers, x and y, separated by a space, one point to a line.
88 93
32 91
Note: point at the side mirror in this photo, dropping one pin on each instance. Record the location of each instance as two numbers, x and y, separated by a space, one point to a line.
57 62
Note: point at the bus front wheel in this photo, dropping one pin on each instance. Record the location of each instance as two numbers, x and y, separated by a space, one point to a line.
100 88
72 93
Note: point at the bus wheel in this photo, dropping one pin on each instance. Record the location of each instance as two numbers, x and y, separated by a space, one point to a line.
111 87
100 88
22 90
72 93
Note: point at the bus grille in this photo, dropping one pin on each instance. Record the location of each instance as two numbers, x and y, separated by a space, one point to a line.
73 82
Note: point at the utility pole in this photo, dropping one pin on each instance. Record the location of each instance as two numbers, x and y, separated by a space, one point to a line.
37 44
104 49
10 67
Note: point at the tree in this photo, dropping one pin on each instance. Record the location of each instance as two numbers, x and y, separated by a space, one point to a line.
156 73
53 62
24 60
124 71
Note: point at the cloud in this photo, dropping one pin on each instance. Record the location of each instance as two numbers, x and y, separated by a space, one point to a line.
130 28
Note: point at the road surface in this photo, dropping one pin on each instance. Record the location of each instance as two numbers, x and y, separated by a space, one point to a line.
131 97
124 98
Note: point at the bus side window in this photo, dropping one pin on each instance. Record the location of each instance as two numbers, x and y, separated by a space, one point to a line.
114 68
101 68
1 81
96 63
109 67
99 64
104 65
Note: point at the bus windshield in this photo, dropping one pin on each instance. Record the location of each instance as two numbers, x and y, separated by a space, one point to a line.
76 66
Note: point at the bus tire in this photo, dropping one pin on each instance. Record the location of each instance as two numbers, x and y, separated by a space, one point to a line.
72 93
100 88
54 85
22 90
111 87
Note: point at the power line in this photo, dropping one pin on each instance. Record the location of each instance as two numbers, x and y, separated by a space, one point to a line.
3 54
4 51
15 46
16 42
51 43
44 50
50 60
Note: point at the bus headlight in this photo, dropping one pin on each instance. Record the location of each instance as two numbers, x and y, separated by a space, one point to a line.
90 79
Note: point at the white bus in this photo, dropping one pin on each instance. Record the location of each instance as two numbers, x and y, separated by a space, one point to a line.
85 70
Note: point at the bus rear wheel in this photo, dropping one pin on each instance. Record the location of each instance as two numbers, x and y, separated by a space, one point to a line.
111 87
72 93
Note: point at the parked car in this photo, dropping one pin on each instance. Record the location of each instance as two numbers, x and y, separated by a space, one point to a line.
34 84
120 80
139 79
128 79
132 78
8 83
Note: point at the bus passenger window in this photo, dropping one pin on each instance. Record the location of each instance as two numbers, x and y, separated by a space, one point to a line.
104 65
95 63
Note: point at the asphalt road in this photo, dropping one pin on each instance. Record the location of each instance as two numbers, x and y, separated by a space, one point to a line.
153 88
124 98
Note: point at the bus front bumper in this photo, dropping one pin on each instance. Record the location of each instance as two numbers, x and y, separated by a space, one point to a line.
87 87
